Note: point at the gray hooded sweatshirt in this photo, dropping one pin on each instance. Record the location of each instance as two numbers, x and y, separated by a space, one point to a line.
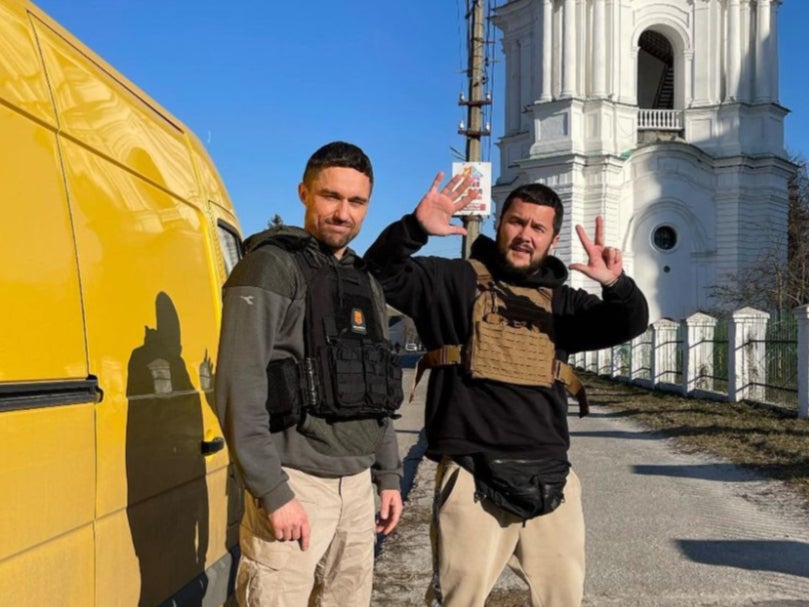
264 303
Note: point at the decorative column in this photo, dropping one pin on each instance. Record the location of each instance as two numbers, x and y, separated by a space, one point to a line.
698 351
569 49
802 316
774 64
748 55
633 100
746 352
734 56
599 50
763 52
514 109
547 50
526 94
688 77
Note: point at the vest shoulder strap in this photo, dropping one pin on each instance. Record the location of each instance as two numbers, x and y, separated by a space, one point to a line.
484 275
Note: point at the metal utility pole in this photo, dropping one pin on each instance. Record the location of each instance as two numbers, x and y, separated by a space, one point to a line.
474 126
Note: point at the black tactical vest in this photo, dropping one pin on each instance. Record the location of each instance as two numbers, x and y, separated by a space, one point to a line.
349 370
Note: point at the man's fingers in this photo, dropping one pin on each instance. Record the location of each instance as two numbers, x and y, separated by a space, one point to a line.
469 197
437 181
584 238
305 536
458 183
580 267
612 256
599 231
456 230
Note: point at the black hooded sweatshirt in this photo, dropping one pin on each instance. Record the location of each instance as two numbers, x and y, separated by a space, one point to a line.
465 416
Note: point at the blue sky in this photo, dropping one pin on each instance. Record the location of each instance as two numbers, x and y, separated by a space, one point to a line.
263 83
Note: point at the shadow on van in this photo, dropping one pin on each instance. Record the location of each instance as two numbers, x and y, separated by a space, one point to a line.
167 504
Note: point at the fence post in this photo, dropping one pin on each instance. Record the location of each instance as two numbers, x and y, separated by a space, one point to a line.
605 361
639 358
802 317
746 352
664 352
591 361
620 360
698 351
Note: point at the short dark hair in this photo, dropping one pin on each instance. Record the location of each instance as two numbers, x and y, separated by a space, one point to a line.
538 193
338 154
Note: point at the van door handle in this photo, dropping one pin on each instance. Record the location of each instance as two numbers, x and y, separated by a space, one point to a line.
209 447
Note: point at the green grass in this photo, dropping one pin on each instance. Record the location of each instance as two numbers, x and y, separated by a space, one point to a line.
772 442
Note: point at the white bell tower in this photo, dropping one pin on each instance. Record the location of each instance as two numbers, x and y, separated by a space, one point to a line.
660 115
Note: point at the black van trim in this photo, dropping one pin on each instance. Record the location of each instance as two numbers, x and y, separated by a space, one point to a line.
211 588
32 395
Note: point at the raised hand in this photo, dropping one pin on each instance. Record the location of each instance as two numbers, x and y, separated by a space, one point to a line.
604 264
436 208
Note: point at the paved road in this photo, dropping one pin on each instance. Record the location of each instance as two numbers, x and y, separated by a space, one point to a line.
665 528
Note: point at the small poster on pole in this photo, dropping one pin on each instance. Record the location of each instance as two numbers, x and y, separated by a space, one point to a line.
481 173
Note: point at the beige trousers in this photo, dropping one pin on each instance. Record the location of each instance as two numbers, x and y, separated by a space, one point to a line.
336 570
473 541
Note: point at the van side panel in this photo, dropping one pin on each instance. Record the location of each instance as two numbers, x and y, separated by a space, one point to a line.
92 105
40 318
59 572
47 467
22 83
46 514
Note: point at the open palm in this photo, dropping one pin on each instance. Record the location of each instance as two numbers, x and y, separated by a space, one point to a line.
435 210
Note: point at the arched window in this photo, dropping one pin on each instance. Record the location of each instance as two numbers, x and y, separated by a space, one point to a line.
655 71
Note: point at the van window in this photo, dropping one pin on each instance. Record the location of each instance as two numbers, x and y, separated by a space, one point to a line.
231 246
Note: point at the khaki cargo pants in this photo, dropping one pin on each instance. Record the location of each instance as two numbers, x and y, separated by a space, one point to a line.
473 541
336 570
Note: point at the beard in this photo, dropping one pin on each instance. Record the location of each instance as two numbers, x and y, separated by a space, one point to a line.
336 240
520 271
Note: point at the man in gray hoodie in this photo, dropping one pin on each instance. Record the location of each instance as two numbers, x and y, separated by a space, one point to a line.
306 387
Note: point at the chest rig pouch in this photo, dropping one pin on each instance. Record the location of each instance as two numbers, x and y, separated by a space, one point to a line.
511 339
350 370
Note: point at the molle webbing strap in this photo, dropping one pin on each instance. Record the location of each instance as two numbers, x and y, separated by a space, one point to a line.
564 373
440 357
451 355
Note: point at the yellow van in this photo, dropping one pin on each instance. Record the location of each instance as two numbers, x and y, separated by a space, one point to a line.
116 235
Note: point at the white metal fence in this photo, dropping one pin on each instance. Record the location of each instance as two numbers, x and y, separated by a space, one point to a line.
752 356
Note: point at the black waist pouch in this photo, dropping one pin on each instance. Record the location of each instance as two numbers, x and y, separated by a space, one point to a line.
524 487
